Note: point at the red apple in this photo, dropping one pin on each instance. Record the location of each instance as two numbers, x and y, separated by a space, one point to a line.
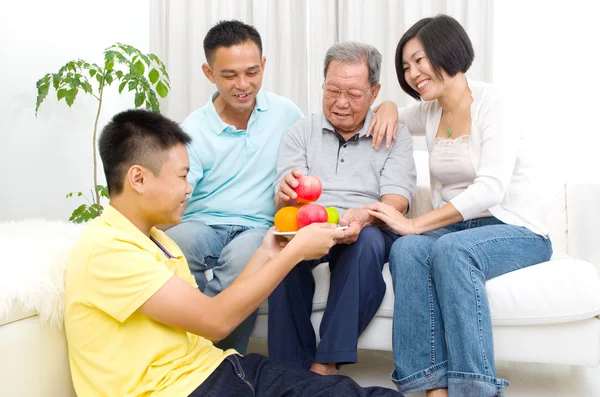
311 213
309 188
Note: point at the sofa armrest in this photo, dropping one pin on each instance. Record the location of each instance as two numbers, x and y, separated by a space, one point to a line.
583 214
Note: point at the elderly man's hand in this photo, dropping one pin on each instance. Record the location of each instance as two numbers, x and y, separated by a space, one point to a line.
356 219
286 194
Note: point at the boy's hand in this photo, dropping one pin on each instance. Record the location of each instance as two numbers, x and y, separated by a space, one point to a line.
315 240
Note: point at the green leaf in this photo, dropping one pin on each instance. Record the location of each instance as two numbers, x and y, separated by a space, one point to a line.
99 78
92 73
70 96
132 85
161 89
121 86
119 74
110 64
139 65
103 190
87 87
42 93
154 76
140 97
56 80
69 195
79 194
61 93
109 79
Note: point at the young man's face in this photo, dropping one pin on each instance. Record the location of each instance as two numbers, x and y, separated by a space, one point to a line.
168 189
237 72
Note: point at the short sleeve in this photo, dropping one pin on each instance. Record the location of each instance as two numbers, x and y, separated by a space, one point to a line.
121 277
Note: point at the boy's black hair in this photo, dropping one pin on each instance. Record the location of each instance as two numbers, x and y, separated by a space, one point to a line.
136 137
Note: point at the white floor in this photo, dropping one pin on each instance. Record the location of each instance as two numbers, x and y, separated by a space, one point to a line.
527 380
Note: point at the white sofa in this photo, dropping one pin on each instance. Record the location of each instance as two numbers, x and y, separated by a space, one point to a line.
545 314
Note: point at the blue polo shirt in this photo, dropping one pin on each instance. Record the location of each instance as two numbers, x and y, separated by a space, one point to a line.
232 171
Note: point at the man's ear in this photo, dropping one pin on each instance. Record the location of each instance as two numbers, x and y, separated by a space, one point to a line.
374 93
136 178
263 61
208 72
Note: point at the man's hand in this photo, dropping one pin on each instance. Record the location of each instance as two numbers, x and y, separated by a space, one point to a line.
356 219
286 195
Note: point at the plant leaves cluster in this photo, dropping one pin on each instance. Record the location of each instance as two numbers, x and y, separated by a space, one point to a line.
125 66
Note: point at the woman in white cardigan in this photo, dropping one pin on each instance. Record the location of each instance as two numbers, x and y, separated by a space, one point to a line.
485 222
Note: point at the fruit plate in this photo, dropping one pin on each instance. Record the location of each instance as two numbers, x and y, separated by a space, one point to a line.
290 235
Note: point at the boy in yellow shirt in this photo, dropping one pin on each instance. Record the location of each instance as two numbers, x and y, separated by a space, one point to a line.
135 321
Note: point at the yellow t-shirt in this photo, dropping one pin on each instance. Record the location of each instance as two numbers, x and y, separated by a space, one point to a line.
115 350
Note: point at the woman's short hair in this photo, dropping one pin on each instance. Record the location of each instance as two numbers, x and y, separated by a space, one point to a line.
446 44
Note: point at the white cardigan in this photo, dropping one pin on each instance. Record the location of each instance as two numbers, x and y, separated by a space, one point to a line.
503 183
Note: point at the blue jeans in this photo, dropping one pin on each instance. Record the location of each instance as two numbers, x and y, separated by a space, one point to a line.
256 375
442 331
355 293
224 249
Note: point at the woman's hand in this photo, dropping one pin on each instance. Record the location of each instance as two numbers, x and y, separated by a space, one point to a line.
394 219
384 124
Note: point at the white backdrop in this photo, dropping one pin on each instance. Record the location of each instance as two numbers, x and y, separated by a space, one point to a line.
296 34
544 52
44 158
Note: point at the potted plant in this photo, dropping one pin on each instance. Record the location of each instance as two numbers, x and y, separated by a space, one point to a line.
124 65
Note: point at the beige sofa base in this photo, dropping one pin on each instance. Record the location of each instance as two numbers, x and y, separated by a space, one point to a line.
34 360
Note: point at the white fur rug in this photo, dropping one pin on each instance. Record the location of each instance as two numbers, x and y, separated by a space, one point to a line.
32 266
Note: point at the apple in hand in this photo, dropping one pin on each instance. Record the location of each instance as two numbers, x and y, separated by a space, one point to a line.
311 213
309 188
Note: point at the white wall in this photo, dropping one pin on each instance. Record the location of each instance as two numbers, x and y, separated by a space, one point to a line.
43 158
546 54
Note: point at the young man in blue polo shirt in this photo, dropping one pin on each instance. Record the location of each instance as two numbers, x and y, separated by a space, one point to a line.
233 158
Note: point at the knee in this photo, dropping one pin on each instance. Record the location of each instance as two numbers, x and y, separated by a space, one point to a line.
449 254
371 237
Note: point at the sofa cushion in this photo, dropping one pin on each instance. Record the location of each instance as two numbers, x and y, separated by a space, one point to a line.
557 291
561 290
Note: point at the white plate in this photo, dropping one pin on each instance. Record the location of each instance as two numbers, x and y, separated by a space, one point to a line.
290 235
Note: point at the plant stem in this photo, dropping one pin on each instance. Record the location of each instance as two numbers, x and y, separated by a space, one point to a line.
97 193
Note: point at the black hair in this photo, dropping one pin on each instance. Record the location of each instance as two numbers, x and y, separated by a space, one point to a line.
136 137
446 44
228 34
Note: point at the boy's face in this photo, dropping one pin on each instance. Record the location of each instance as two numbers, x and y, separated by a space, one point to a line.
167 191
237 71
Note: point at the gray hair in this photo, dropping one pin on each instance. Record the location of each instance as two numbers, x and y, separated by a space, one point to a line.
354 52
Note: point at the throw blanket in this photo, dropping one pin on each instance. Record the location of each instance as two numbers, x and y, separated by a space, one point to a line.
34 256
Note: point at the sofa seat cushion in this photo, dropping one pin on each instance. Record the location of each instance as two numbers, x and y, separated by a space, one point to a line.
558 291
561 290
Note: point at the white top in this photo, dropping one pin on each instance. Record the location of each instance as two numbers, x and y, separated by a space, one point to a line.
450 163
500 158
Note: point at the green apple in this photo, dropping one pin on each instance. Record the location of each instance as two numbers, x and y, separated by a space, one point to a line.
332 215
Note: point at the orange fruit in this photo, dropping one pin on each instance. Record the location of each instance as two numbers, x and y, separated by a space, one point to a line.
285 219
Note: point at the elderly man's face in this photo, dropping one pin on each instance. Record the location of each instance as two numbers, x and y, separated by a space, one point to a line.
346 111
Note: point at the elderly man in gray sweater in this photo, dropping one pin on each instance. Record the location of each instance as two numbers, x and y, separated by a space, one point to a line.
334 147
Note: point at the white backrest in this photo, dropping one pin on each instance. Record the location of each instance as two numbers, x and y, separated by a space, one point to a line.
583 213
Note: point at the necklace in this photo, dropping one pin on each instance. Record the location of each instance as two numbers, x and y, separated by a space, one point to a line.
449 130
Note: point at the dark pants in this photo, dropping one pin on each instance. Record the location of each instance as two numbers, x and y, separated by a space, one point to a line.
355 293
256 375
